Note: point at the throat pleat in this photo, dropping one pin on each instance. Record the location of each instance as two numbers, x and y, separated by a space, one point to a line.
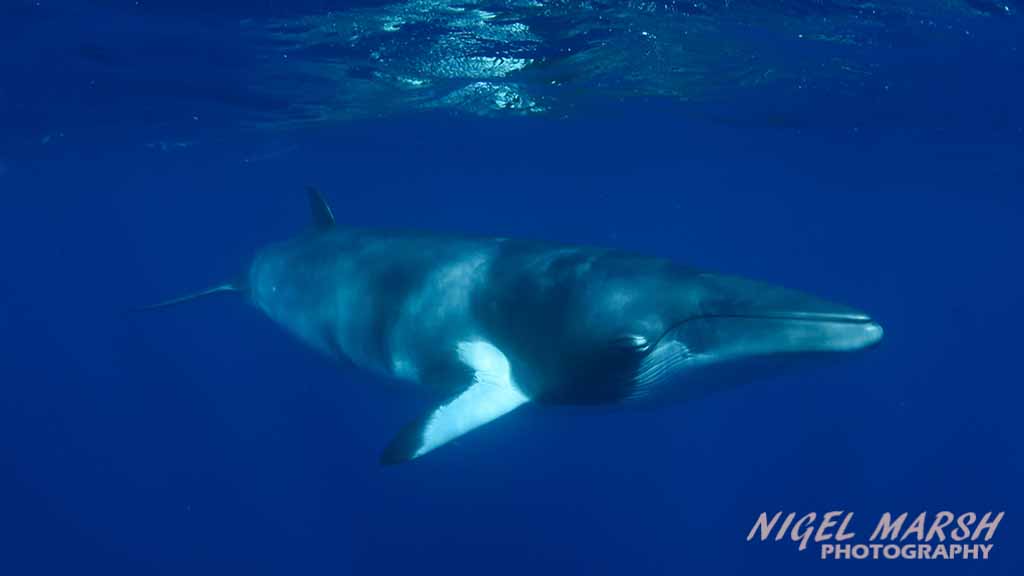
657 368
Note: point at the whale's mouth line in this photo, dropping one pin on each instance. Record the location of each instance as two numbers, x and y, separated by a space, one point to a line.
852 319
822 317
825 317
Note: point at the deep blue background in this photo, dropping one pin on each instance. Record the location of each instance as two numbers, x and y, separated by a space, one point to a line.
204 440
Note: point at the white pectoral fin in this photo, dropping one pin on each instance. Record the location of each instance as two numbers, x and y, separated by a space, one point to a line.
491 394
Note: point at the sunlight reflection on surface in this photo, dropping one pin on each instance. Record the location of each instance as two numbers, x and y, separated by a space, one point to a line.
516 57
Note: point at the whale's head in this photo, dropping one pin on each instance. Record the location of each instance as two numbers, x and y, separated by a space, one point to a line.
713 331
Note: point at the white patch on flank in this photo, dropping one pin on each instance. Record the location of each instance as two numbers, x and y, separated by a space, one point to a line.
445 293
429 312
493 393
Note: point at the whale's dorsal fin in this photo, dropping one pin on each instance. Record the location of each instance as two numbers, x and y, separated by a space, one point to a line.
492 394
318 207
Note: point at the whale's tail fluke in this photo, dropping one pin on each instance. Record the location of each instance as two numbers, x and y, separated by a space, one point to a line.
323 219
225 287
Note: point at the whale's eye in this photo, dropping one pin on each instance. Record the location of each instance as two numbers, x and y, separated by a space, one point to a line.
637 343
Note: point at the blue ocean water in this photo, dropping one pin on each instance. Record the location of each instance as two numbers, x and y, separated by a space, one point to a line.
147 150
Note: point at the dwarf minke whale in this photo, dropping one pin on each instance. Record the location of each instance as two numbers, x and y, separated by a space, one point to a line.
490 324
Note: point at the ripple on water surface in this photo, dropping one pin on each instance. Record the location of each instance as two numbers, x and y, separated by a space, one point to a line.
492 57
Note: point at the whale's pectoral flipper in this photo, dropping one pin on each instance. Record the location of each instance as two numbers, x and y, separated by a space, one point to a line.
491 394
